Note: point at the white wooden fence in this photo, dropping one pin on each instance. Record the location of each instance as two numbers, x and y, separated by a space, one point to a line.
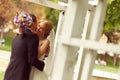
76 40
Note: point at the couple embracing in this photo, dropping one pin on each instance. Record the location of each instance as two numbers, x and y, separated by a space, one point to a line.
29 49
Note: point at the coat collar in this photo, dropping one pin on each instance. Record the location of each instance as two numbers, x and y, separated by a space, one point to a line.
28 31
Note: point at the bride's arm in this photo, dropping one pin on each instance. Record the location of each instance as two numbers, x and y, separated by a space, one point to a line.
47 51
43 47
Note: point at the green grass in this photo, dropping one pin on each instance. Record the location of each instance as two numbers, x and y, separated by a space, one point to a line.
1 75
8 41
110 67
98 67
107 68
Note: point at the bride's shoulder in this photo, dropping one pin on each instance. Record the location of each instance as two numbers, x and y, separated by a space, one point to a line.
44 41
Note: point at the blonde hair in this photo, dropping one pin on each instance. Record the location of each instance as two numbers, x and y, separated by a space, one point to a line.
48 26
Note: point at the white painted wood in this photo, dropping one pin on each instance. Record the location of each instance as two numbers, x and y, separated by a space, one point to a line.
118 74
88 23
62 3
96 30
65 1
85 35
60 6
89 44
58 32
66 55
91 7
75 14
99 19
48 4
73 27
58 69
104 74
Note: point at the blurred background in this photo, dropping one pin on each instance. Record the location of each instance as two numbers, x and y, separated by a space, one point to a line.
105 61
8 9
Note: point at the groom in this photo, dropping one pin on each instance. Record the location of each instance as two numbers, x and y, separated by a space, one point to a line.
24 52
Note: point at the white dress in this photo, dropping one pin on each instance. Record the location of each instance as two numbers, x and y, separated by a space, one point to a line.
37 74
43 75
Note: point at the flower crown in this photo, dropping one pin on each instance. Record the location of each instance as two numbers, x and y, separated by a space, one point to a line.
23 19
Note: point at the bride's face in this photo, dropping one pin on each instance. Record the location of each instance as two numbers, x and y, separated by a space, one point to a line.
41 29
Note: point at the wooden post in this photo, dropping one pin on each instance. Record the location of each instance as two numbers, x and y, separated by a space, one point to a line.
54 48
72 27
96 29
119 74
85 35
73 36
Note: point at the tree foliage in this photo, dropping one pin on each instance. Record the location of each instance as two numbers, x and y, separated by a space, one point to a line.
112 25
26 6
52 15
112 20
7 10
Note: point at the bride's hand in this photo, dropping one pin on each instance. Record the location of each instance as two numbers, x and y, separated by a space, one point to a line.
47 51
43 47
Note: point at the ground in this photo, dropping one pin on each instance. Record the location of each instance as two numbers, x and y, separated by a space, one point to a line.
98 78
4 60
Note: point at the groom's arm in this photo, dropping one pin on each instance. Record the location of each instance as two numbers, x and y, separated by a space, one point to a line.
32 45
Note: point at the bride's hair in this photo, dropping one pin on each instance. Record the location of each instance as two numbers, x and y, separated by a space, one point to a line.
48 26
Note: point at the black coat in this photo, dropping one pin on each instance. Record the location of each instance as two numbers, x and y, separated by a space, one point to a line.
24 55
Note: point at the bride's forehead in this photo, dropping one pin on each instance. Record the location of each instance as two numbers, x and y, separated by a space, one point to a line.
42 24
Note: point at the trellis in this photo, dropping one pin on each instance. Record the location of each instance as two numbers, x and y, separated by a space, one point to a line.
78 32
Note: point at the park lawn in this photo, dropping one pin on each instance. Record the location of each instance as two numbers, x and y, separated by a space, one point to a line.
98 67
8 41
107 68
1 75
7 47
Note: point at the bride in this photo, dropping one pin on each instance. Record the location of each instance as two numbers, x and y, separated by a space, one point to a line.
43 31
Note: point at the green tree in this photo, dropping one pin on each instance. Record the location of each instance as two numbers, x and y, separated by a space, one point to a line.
112 24
52 15
49 13
27 6
7 10
112 20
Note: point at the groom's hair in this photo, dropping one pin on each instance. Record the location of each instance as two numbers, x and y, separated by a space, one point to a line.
33 17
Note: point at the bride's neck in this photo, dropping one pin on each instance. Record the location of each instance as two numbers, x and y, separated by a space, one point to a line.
41 37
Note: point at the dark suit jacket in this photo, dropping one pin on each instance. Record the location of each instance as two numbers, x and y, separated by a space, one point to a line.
24 55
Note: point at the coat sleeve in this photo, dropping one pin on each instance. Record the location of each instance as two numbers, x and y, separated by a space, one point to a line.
32 45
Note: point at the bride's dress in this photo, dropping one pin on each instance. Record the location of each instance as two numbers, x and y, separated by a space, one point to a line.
43 75
37 74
